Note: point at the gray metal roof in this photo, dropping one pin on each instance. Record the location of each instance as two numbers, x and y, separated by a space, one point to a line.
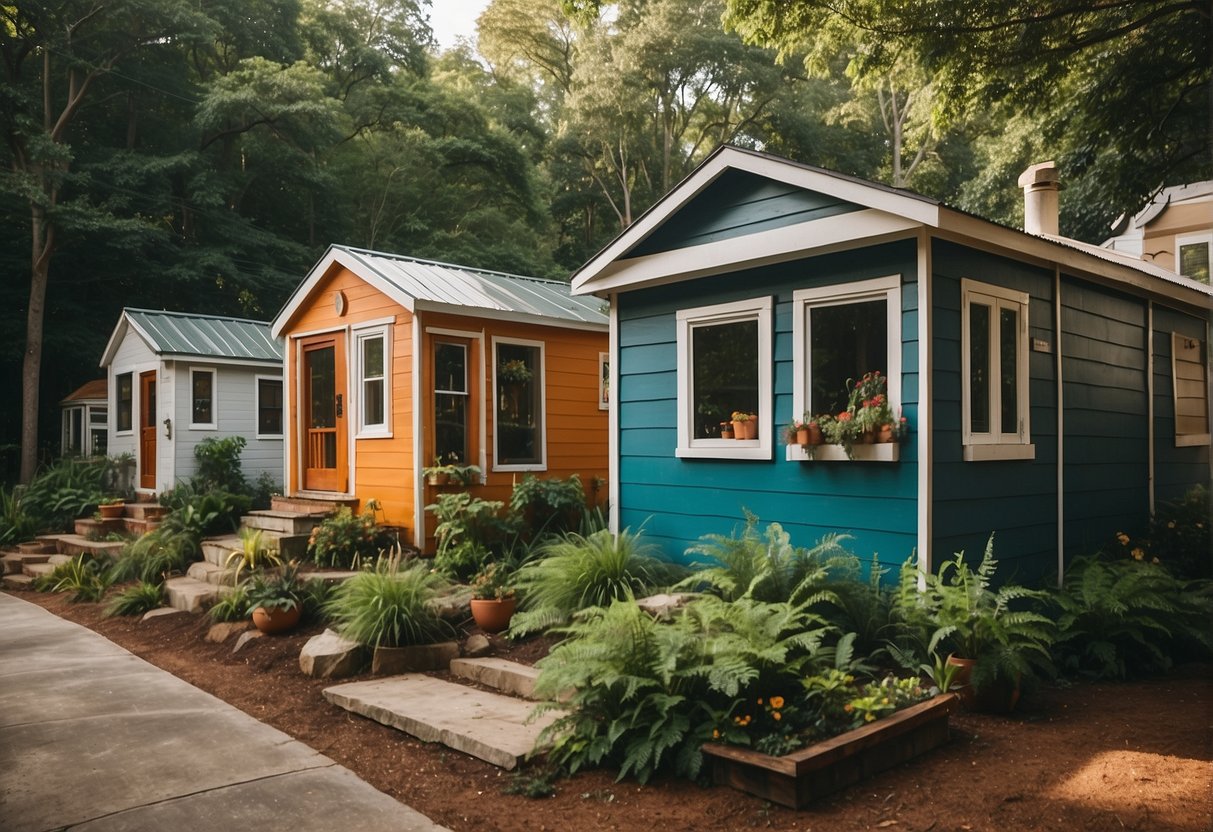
461 286
178 333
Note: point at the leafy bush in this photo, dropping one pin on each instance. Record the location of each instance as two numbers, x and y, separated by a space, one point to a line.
219 464
1125 617
575 572
136 599
1179 535
388 606
202 512
155 556
548 507
84 576
233 606
274 591
470 531
252 554
344 538
57 495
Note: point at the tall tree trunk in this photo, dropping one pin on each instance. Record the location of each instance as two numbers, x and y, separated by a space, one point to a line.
42 244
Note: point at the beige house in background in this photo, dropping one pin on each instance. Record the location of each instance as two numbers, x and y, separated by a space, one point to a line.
1175 231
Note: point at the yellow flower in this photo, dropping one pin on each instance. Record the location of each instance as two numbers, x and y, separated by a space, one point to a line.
848 707
776 701
1123 538
715 733
776 716
869 717
1137 553
1170 524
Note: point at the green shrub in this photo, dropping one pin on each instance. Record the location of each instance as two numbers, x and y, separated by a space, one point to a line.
232 606
84 576
389 606
1179 535
574 572
219 464
1127 617
470 532
136 600
343 539
157 555
201 512
56 496
548 507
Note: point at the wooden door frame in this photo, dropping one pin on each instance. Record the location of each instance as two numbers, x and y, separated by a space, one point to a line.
148 378
339 340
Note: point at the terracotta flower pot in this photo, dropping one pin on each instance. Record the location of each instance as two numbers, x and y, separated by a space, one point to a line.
739 430
815 437
492 614
884 434
962 684
112 511
276 620
802 436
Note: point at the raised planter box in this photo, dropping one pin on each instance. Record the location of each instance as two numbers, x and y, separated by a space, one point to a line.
796 779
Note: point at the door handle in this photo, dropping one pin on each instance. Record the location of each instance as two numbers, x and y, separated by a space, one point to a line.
339 398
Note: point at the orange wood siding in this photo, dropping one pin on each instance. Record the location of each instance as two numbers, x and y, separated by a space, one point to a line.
576 427
381 467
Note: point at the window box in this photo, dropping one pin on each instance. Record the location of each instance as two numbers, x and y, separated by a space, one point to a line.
875 452
796 779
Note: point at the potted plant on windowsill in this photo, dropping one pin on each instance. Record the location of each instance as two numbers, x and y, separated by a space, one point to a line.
843 430
745 425
493 601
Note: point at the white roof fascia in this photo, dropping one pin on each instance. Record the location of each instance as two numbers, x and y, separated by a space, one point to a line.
111 346
347 259
921 211
790 242
502 315
196 358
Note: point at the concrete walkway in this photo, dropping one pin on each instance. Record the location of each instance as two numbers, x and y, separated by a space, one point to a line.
94 738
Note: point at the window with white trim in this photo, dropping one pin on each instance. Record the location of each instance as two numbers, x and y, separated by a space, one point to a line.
124 402
451 402
1190 387
202 398
269 407
994 370
1192 255
518 414
374 394
724 367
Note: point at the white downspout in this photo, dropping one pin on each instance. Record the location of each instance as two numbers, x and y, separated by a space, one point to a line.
925 391
418 451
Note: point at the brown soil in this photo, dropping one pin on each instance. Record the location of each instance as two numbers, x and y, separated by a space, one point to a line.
1135 755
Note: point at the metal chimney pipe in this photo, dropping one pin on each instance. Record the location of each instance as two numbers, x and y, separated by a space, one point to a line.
1040 189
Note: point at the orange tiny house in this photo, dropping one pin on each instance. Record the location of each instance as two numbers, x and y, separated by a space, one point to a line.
394 364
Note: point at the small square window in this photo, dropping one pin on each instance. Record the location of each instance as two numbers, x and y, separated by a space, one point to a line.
124 401
202 398
1192 256
994 362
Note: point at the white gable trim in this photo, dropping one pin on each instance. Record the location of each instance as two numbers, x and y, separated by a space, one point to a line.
916 210
763 248
335 257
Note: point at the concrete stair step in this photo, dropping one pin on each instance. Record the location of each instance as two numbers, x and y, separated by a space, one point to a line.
37 547
14 562
190 594
216 549
37 570
312 505
146 511
289 546
16 581
138 526
75 544
284 522
489 726
500 674
210 573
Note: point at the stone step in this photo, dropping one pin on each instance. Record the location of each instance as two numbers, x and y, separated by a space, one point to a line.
489 726
210 573
37 570
16 581
37 547
500 674
138 526
329 576
216 549
284 522
146 511
189 594
14 563
74 544
322 506
289 546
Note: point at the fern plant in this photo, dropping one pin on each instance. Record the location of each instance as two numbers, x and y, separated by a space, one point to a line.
575 572
1119 618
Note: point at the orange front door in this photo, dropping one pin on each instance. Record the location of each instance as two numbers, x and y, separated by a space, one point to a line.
147 430
323 405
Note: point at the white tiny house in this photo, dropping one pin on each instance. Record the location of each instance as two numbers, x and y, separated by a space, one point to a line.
176 379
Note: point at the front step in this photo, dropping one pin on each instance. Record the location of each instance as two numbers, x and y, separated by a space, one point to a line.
489 726
75 544
16 581
217 549
14 563
189 594
312 505
210 573
283 522
500 674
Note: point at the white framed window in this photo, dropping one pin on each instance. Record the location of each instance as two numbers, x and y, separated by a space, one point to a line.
372 356
98 420
1192 255
124 402
724 367
994 373
1190 390
269 407
202 399
520 406
452 399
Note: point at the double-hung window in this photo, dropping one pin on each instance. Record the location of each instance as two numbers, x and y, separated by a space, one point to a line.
269 407
124 402
373 358
202 399
1192 255
519 442
994 370
450 402
724 367
1190 383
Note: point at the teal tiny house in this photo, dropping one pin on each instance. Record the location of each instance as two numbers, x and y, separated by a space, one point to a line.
1040 378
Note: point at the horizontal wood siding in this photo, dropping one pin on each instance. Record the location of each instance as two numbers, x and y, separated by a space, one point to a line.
576 428
737 204
382 466
1106 427
1016 500
676 501
1176 470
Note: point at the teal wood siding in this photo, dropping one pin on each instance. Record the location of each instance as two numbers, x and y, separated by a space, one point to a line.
1176 470
676 501
736 204
1016 500
1106 423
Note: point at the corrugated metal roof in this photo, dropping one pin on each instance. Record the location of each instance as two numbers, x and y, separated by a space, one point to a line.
178 333
461 286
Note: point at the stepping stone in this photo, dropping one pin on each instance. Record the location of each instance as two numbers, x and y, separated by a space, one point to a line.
17 581
216 549
329 656
189 595
492 727
500 674
38 570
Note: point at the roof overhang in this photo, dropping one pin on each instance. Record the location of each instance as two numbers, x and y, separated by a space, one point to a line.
333 259
116 338
502 315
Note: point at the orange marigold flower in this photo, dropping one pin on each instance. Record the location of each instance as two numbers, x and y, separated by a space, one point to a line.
1138 553
776 701
776 715
848 707
760 700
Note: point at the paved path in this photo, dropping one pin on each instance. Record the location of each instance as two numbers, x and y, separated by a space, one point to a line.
94 738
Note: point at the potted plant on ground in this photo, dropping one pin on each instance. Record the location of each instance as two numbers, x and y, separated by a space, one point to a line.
112 508
493 600
275 600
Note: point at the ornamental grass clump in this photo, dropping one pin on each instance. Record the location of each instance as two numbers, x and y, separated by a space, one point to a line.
136 599
389 605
